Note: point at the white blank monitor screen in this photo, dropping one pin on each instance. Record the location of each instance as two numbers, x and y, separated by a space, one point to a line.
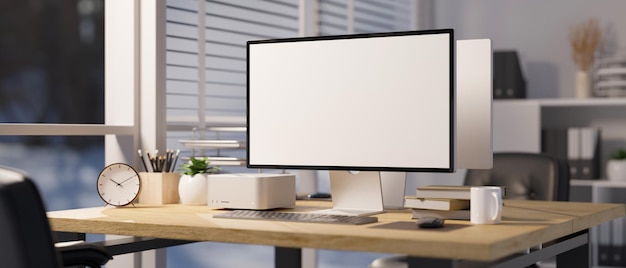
382 102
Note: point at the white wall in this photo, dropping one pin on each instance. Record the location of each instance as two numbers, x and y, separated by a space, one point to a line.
537 29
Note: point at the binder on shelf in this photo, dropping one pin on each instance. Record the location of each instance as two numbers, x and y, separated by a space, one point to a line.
508 80
579 146
573 152
617 246
589 156
604 244
554 142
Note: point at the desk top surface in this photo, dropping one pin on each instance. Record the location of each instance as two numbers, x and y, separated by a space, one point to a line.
524 224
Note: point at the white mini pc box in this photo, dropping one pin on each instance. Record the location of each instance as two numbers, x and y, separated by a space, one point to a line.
252 191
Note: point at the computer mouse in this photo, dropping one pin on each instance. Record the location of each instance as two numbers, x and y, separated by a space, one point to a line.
319 195
430 222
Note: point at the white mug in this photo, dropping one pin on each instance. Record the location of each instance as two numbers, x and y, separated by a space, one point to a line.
485 205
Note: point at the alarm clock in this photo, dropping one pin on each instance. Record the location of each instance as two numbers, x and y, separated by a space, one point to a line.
118 184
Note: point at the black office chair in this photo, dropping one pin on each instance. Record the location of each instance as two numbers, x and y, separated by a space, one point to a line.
25 236
530 176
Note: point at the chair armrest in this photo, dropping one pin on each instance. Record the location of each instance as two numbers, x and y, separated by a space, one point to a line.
82 253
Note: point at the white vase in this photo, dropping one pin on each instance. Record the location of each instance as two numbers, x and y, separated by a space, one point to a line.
616 170
583 85
192 190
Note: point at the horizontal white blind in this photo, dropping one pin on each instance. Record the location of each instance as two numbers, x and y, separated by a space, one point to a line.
369 16
229 24
333 17
381 16
182 59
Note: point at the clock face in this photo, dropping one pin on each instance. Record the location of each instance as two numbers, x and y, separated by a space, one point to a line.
118 184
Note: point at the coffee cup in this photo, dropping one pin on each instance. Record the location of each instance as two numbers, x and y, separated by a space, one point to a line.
485 205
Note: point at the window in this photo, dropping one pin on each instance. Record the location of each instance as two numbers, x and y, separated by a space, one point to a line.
52 72
52 62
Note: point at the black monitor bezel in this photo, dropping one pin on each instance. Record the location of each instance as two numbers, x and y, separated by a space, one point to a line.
452 93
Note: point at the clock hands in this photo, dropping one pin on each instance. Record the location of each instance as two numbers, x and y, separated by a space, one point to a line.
118 184
128 179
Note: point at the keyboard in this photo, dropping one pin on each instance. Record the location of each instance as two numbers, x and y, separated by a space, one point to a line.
295 217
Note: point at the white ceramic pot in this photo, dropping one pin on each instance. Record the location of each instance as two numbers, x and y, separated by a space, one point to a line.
192 190
583 85
616 170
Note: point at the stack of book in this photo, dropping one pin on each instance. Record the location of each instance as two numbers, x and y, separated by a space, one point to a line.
440 201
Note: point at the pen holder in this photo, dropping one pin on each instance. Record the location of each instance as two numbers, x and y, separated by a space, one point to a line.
159 188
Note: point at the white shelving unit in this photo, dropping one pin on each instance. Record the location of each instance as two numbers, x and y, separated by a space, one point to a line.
518 123
517 127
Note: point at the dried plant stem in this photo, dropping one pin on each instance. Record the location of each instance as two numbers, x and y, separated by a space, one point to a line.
584 39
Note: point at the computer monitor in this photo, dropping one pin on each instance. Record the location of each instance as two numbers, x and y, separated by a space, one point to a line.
353 104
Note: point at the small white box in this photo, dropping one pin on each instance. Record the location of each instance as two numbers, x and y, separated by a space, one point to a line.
252 191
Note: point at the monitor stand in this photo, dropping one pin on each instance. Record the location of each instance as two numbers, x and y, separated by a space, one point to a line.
355 193
393 184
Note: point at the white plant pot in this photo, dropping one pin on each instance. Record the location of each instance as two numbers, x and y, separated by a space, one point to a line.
616 170
192 190
583 85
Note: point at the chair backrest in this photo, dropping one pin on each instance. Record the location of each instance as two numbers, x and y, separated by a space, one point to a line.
25 234
533 176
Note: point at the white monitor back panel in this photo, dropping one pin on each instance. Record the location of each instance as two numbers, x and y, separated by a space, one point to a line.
474 104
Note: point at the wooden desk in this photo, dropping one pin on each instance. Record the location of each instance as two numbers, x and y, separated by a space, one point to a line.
525 224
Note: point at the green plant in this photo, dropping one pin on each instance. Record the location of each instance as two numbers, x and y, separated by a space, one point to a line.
198 166
619 154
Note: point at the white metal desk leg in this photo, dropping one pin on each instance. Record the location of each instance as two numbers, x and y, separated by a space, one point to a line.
309 258
126 260
146 259
156 258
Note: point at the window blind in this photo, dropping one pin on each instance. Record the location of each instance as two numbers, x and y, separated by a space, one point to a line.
216 91
364 16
